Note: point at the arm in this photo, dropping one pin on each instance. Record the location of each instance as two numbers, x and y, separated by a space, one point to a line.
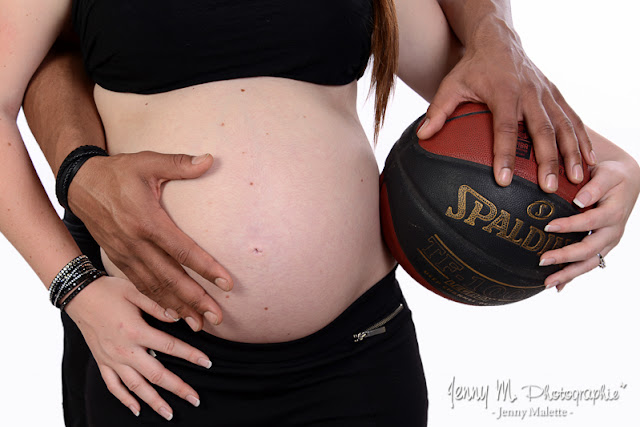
28 220
27 216
62 115
495 70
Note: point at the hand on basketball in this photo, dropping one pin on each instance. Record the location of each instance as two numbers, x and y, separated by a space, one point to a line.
119 340
613 189
118 199
496 71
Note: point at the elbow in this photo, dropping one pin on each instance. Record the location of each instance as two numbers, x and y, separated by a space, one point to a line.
9 108
425 76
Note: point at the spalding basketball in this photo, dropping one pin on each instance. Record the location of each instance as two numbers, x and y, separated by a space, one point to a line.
454 229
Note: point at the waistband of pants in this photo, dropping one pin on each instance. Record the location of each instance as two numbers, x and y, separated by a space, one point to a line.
373 305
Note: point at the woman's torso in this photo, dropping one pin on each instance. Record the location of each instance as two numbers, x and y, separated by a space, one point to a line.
290 207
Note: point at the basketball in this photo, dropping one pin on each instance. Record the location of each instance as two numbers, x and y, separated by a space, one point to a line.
454 229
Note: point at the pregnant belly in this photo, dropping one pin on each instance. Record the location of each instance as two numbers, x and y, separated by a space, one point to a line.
299 235
289 208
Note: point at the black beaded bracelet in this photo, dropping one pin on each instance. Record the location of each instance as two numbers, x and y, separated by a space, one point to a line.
72 278
69 168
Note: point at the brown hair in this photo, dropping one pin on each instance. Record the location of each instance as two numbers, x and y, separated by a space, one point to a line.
384 48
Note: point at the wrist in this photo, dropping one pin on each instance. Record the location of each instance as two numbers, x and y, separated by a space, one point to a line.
70 167
79 193
76 275
492 31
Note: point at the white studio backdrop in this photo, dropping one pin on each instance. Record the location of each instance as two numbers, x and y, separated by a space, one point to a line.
580 340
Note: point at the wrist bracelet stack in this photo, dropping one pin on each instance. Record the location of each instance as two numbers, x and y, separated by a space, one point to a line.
69 168
74 277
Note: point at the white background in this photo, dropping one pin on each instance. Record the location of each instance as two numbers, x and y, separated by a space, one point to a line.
582 338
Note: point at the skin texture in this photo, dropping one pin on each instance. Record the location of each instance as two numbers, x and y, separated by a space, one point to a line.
62 115
521 93
614 186
122 368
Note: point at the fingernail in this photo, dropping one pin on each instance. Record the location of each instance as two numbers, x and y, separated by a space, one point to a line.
192 323
552 228
134 410
222 284
559 288
582 199
504 178
199 159
424 124
205 363
592 157
193 400
172 315
546 261
552 182
211 317
165 413
577 173
552 284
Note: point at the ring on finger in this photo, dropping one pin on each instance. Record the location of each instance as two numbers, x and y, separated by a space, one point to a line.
151 352
601 262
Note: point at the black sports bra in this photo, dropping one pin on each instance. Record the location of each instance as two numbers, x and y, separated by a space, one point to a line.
152 46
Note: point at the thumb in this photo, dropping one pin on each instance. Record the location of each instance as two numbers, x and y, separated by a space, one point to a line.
168 167
444 103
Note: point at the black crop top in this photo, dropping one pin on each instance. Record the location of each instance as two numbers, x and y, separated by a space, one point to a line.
152 46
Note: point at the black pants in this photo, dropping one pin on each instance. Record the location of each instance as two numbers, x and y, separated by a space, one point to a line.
324 379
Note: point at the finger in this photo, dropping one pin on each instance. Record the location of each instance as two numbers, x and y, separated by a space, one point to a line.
570 272
544 144
588 247
593 219
188 253
505 137
584 141
165 281
151 307
135 382
160 376
192 299
567 143
151 284
594 190
115 387
166 167
445 101
161 341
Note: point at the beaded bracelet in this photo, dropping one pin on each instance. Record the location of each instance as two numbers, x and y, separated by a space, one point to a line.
65 278
74 277
69 168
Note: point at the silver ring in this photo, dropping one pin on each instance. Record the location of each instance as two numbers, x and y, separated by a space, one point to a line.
601 264
152 353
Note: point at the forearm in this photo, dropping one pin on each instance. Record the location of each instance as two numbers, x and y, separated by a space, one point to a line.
473 20
27 218
59 106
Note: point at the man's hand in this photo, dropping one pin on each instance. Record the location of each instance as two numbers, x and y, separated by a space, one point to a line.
496 71
118 199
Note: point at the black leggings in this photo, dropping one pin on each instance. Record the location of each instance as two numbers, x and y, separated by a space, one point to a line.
324 379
